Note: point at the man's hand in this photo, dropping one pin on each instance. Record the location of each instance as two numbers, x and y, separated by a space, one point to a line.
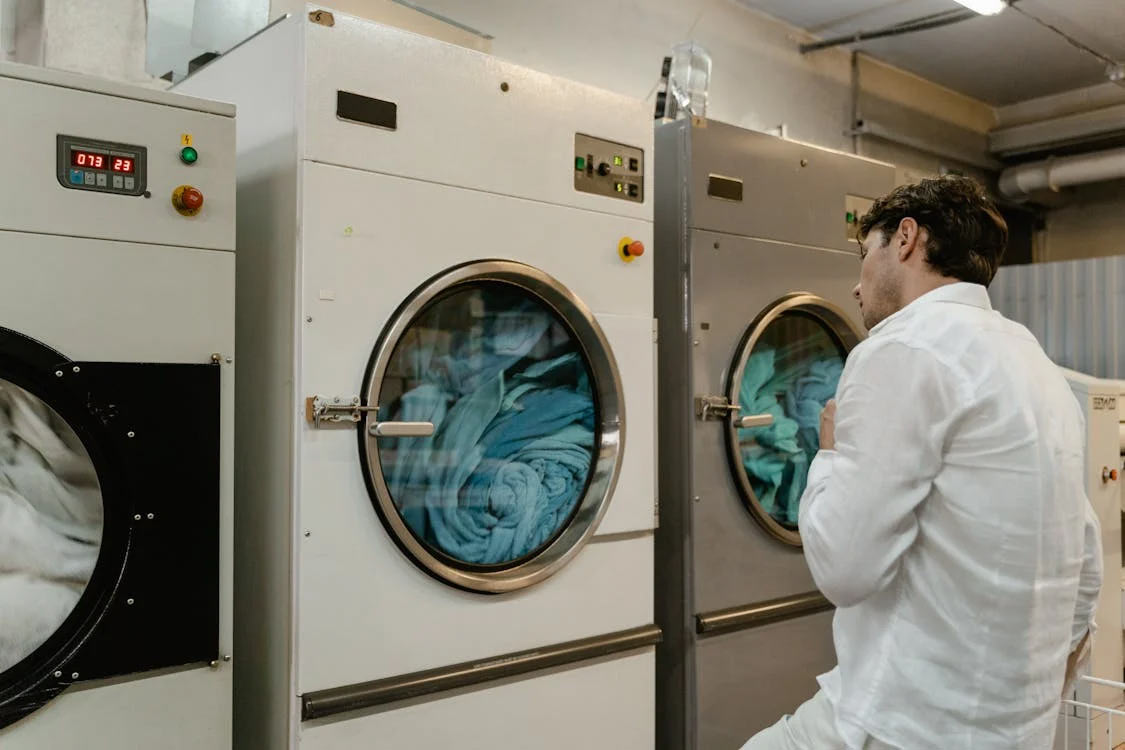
1075 663
828 426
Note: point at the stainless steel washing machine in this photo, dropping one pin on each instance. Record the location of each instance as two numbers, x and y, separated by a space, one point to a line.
756 259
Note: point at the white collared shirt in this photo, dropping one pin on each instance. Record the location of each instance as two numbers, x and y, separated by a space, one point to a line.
951 528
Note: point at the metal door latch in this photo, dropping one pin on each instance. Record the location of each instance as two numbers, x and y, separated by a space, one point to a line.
335 410
323 410
714 407
720 407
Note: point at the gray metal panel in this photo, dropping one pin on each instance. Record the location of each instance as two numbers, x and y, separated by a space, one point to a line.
750 679
735 561
675 665
782 200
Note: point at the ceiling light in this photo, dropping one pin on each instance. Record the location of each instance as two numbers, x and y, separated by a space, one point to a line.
985 7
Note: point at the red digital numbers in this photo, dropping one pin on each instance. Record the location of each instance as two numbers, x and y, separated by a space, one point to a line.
86 159
90 160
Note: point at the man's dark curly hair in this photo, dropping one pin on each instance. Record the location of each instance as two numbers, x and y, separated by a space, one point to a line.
967 235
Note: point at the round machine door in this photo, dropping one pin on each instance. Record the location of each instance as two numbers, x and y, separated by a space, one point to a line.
494 426
785 371
59 554
107 568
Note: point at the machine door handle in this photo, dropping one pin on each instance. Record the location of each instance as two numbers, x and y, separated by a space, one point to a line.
402 429
754 420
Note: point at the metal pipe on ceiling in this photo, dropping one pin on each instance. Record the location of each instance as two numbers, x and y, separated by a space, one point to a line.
1022 181
908 27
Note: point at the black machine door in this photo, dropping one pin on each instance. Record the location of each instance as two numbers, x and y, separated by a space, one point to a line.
109 520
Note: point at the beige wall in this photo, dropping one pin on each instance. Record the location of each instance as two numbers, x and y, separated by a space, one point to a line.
1091 225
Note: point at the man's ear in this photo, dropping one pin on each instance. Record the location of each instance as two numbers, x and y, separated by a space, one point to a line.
909 239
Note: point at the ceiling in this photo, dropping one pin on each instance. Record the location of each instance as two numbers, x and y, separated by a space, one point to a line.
999 59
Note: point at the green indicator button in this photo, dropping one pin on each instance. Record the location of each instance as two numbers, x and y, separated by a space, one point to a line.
579 163
618 161
851 217
189 155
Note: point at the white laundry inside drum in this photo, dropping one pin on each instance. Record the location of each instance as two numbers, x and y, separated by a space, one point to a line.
51 518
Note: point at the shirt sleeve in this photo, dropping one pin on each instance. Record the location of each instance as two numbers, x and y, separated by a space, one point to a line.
1089 580
895 407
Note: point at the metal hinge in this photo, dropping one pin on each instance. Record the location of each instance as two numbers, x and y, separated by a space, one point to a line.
334 410
720 408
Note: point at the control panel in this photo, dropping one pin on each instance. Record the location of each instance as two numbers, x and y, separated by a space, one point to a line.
854 209
106 161
101 166
610 169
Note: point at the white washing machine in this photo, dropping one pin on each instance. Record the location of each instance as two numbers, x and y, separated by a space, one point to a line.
116 415
445 530
1098 399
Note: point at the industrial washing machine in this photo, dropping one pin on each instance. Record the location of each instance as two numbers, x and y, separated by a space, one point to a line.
1098 400
756 259
116 415
446 409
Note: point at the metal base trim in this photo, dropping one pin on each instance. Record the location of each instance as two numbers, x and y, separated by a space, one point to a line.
761 613
323 703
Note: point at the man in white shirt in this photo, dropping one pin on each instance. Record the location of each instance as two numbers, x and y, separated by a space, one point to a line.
945 516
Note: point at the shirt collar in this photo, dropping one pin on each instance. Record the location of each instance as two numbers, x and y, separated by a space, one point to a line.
959 293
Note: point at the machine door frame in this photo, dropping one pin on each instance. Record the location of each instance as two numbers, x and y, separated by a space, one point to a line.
844 334
609 438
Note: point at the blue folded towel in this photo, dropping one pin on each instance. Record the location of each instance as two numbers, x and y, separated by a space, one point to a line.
777 458
512 446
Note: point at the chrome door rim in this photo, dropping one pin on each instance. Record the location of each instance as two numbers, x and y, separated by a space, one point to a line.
840 327
609 450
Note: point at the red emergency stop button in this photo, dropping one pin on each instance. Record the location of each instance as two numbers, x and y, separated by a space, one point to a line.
1109 475
630 249
187 200
192 199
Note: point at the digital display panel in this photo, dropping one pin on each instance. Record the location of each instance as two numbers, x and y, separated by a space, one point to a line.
100 166
89 159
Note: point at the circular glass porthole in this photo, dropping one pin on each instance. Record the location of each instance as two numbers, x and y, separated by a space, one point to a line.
497 439
786 370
